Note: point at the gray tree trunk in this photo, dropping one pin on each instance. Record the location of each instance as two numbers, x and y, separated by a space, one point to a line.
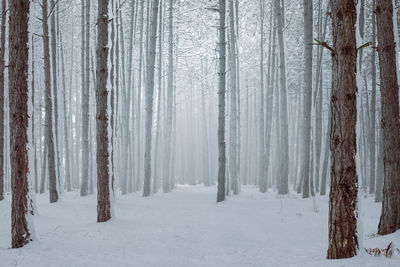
49 106
283 187
221 104
149 99
307 98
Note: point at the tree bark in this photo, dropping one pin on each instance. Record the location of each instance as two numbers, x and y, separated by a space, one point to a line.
390 217
2 65
103 188
18 93
343 240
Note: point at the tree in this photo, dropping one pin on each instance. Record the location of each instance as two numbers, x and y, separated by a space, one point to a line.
85 105
307 98
170 90
103 187
49 107
283 187
2 55
390 217
21 234
233 116
262 165
149 99
221 103
55 90
343 195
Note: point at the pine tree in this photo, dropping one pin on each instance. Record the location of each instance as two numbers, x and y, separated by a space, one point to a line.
343 240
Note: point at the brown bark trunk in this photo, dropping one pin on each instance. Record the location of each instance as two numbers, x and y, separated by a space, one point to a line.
49 107
18 82
2 54
343 195
103 190
390 217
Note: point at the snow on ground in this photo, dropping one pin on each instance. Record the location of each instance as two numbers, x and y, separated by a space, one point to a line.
187 228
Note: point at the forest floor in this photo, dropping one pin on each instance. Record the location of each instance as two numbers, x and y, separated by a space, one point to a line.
187 228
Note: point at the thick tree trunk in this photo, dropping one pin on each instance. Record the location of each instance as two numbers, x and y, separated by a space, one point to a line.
18 82
49 107
103 187
2 55
221 104
343 241
390 217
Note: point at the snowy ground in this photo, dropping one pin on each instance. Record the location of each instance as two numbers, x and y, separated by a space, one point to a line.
187 228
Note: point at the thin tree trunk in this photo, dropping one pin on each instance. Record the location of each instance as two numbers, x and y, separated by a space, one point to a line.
221 104
55 87
305 171
149 99
390 217
18 101
49 107
343 240
85 104
372 130
283 117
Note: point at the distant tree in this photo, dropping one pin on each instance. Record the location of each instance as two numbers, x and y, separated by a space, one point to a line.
149 99
103 187
18 82
343 240
283 186
305 150
390 217
221 103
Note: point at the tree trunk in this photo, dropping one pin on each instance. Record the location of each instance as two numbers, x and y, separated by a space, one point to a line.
283 187
103 188
262 170
55 90
233 117
343 241
221 104
170 90
49 107
149 99
390 217
2 55
372 130
305 150
85 105
18 93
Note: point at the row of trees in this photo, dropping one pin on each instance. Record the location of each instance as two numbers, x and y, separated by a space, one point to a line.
146 138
